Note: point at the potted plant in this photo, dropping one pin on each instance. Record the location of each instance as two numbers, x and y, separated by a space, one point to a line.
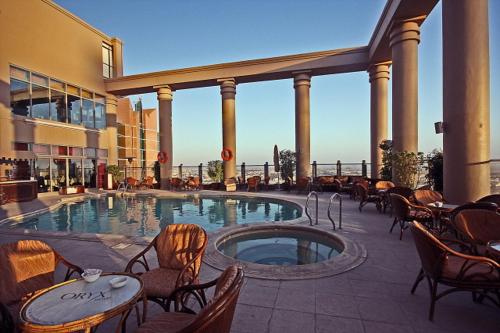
386 170
216 173
406 168
287 166
115 172
435 170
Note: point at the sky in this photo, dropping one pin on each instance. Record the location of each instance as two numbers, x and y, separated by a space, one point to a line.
161 35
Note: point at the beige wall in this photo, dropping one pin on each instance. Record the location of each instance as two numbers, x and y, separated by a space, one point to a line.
40 36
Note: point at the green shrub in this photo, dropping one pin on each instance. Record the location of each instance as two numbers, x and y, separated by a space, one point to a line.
434 174
216 171
287 164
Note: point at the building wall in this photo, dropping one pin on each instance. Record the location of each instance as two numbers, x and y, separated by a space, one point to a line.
40 36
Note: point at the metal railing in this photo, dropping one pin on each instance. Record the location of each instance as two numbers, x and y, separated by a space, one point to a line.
315 194
330 206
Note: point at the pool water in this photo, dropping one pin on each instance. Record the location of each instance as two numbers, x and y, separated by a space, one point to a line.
146 216
283 247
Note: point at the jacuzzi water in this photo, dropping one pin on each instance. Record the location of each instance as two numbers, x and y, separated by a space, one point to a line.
280 247
146 216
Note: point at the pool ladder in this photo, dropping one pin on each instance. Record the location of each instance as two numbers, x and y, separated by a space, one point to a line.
333 197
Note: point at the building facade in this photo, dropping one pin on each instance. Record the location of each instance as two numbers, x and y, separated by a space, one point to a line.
57 124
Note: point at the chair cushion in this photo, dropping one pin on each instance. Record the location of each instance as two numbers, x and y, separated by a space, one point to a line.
166 322
478 272
160 282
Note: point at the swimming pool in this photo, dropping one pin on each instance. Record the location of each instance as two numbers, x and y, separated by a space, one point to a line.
147 215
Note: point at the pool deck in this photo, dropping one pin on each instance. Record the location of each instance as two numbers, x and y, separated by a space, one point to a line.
373 297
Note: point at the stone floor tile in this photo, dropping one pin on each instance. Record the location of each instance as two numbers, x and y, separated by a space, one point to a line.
285 321
336 305
258 295
377 327
251 319
296 299
380 309
328 324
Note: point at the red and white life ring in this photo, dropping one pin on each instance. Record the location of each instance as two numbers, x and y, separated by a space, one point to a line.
162 157
226 154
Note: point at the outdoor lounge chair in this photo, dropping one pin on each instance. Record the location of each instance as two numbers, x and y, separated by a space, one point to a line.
253 183
179 250
362 193
461 272
215 316
425 197
404 211
27 267
193 183
477 227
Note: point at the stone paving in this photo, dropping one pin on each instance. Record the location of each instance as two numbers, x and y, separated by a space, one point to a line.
373 297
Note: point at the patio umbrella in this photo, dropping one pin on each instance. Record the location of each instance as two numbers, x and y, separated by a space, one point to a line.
276 160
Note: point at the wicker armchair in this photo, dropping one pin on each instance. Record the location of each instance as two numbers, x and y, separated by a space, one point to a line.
215 316
461 272
193 183
253 183
404 211
27 267
147 182
132 183
384 185
177 184
401 190
425 197
477 227
179 249
362 193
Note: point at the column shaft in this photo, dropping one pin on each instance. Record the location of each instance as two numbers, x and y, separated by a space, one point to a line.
302 84
379 75
111 127
466 97
228 93
165 117
404 39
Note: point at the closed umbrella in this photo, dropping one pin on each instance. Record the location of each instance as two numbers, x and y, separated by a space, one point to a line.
276 160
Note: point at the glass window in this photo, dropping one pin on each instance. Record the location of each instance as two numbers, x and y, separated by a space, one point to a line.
19 97
102 153
75 172
73 90
74 109
58 166
87 94
88 113
58 85
107 60
41 149
60 150
40 102
21 146
89 173
58 106
90 152
100 115
42 172
75 151
40 80
19 73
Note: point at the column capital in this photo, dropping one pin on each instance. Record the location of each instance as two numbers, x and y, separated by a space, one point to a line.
379 71
301 78
227 87
164 92
405 29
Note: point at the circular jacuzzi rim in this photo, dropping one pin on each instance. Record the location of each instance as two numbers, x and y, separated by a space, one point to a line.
353 254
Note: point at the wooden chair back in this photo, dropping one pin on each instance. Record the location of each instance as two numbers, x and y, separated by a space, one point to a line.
425 197
384 185
495 198
400 206
402 191
478 226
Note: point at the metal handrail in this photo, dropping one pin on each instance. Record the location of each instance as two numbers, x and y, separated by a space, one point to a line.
307 206
330 205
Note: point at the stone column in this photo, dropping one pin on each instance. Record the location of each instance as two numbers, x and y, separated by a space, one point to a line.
228 92
466 97
302 84
165 117
379 75
404 39
111 128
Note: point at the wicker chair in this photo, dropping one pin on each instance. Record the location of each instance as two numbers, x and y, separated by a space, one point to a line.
253 183
215 316
461 272
27 267
362 193
384 185
401 190
477 227
179 249
425 197
132 183
193 183
147 182
404 211
177 184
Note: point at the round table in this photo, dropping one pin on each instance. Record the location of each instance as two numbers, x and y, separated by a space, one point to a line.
77 305
493 250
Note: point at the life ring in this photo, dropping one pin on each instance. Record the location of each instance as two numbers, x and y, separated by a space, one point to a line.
226 154
162 157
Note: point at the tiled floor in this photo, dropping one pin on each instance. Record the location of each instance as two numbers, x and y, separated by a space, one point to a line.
374 297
